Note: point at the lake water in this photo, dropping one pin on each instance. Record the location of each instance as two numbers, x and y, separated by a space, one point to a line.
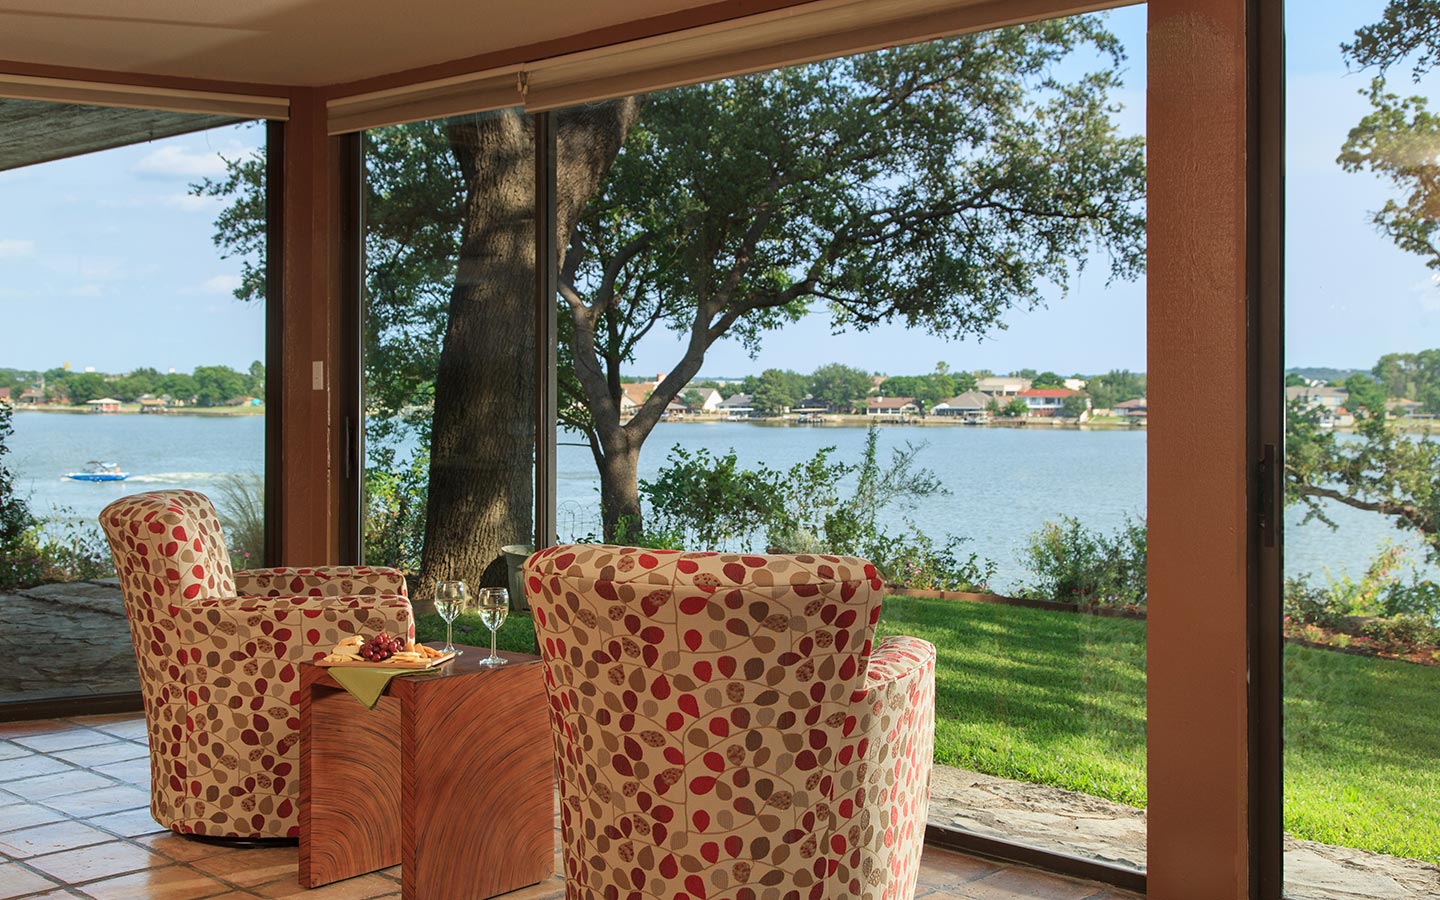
1003 483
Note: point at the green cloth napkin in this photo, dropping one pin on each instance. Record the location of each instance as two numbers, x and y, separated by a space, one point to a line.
367 684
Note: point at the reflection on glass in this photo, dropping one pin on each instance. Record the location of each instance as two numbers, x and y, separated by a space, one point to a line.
1362 606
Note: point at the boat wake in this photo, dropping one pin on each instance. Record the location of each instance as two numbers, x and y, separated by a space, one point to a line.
176 477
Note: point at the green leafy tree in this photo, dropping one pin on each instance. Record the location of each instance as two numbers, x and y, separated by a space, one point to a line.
777 390
1385 471
1399 140
1048 380
962 156
256 385
1016 409
1073 407
216 385
1295 379
83 387
1412 375
1366 394
839 385
937 185
1114 387
179 386
927 390
964 381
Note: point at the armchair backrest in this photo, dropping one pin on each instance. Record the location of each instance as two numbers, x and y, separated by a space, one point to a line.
168 547
702 706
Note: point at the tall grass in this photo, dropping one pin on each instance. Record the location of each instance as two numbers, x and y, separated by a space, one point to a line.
240 501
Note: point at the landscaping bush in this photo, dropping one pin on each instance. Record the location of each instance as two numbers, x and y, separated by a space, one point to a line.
702 501
1073 564
395 497
35 551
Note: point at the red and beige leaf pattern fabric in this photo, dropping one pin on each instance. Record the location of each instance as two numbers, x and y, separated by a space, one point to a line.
219 672
327 581
725 728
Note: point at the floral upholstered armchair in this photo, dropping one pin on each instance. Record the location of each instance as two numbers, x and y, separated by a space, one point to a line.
218 655
725 725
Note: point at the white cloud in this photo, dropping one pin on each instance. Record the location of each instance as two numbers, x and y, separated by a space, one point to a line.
1428 290
180 162
192 203
221 284
11 248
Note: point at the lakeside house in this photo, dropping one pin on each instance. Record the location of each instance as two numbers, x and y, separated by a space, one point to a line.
891 406
737 406
709 404
1403 408
1132 409
1002 386
1328 401
1048 402
103 405
1076 384
970 407
811 407
33 396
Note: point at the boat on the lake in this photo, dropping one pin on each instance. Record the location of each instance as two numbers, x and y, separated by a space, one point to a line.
95 470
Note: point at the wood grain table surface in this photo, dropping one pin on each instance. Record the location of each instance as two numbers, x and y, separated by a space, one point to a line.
451 775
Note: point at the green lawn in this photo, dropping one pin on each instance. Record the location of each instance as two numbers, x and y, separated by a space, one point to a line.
1059 699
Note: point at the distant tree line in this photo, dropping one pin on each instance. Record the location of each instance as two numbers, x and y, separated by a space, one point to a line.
205 386
1396 376
845 388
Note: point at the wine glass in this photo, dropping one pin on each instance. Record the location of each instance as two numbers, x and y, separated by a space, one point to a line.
493 606
450 600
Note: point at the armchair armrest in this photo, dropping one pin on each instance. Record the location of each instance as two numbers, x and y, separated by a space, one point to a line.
320 581
895 712
287 628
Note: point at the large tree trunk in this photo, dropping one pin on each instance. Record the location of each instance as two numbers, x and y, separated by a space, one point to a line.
481 494
620 492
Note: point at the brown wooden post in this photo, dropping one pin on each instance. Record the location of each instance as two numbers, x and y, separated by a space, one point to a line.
311 452
1202 447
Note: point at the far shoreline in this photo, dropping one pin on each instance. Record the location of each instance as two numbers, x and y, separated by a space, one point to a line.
133 409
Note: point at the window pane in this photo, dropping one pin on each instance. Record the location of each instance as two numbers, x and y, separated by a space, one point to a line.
774 265
1362 658
133 348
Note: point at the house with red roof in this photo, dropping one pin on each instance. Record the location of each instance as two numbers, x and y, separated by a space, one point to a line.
1047 401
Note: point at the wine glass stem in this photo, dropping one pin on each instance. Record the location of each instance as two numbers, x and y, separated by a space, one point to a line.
493 654
449 635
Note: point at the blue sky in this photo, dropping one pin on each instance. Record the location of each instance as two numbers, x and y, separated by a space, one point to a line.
107 262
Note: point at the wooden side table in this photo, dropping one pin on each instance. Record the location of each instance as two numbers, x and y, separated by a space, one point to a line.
451 775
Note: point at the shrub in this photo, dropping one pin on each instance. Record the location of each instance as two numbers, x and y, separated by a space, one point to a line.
395 498
15 518
240 502
1379 593
1073 564
1402 634
699 500
61 548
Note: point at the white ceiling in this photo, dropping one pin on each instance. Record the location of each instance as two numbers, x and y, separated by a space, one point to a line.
293 42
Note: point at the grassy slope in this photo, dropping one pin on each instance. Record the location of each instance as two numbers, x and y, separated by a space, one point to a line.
1059 699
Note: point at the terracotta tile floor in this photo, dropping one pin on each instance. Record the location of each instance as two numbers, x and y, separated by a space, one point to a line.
74 824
